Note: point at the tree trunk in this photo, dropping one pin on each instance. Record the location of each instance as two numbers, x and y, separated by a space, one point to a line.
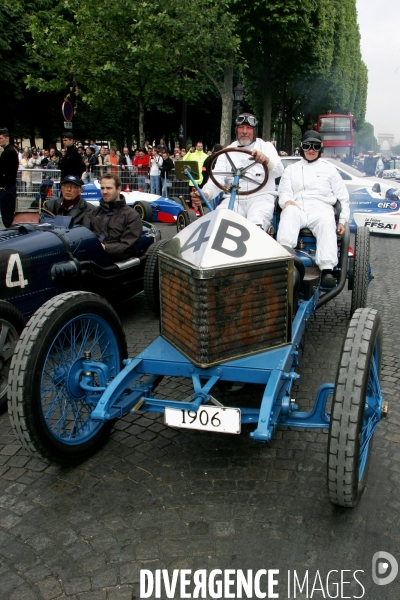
227 99
267 96
32 134
141 124
128 128
183 131
288 144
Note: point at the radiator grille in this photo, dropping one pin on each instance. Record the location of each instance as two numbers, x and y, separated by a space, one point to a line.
226 313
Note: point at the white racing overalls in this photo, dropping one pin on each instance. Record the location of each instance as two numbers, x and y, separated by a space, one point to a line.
258 207
314 187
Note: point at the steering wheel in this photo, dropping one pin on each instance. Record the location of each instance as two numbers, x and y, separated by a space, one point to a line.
242 171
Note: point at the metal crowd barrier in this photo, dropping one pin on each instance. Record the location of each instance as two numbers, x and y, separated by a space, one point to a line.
135 181
130 176
29 180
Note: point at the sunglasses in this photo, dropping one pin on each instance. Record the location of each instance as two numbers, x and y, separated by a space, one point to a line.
246 120
314 145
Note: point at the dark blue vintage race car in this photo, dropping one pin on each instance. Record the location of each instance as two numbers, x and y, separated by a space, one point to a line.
40 261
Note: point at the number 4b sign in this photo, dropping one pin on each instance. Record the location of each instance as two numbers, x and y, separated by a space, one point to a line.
207 418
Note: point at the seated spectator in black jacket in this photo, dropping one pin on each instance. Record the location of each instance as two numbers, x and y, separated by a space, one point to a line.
117 225
70 204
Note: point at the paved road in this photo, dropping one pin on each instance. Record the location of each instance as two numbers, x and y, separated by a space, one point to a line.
157 498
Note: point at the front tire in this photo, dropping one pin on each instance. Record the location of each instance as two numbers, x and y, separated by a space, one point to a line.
48 410
151 277
12 324
144 209
361 269
356 408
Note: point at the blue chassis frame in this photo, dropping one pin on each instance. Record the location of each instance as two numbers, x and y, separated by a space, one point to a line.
274 368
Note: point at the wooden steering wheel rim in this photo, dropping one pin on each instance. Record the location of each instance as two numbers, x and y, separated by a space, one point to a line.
225 189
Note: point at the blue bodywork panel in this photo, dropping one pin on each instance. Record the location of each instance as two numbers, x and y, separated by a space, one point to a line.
38 262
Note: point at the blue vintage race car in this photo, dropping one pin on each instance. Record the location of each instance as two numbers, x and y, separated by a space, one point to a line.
151 207
379 214
234 305
39 261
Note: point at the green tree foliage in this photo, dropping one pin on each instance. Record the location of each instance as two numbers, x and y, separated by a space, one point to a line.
14 61
126 64
282 40
342 85
131 51
14 22
23 111
303 58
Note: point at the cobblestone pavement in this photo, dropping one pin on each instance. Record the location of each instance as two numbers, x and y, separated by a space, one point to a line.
156 498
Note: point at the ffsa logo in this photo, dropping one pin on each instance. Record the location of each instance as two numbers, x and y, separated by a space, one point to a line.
384 568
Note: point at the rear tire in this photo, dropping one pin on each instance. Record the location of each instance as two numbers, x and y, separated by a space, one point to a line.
181 221
48 409
185 218
151 277
144 209
361 269
12 324
356 408
192 216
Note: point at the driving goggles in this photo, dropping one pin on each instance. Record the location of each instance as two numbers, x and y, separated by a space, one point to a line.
314 145
246 120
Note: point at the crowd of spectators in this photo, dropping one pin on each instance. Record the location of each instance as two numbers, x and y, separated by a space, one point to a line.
371 164
148 167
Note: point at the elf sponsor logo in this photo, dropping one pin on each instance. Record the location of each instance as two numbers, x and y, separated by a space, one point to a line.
391 205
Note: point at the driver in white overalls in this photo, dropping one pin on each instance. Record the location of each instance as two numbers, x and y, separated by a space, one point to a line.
258 207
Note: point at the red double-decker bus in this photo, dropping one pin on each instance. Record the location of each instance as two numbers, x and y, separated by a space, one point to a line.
337 132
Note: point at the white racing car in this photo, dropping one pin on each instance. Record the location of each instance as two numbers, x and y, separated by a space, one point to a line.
369 209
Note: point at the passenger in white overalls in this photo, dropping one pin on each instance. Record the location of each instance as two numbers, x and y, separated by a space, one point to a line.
258 207
307 192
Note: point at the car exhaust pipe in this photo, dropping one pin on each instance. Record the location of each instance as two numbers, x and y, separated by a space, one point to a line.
67 269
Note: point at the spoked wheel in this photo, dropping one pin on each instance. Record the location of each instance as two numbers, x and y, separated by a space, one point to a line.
11 325
356 408
184 219
151 277
234 170
144 209
361 274
49 411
